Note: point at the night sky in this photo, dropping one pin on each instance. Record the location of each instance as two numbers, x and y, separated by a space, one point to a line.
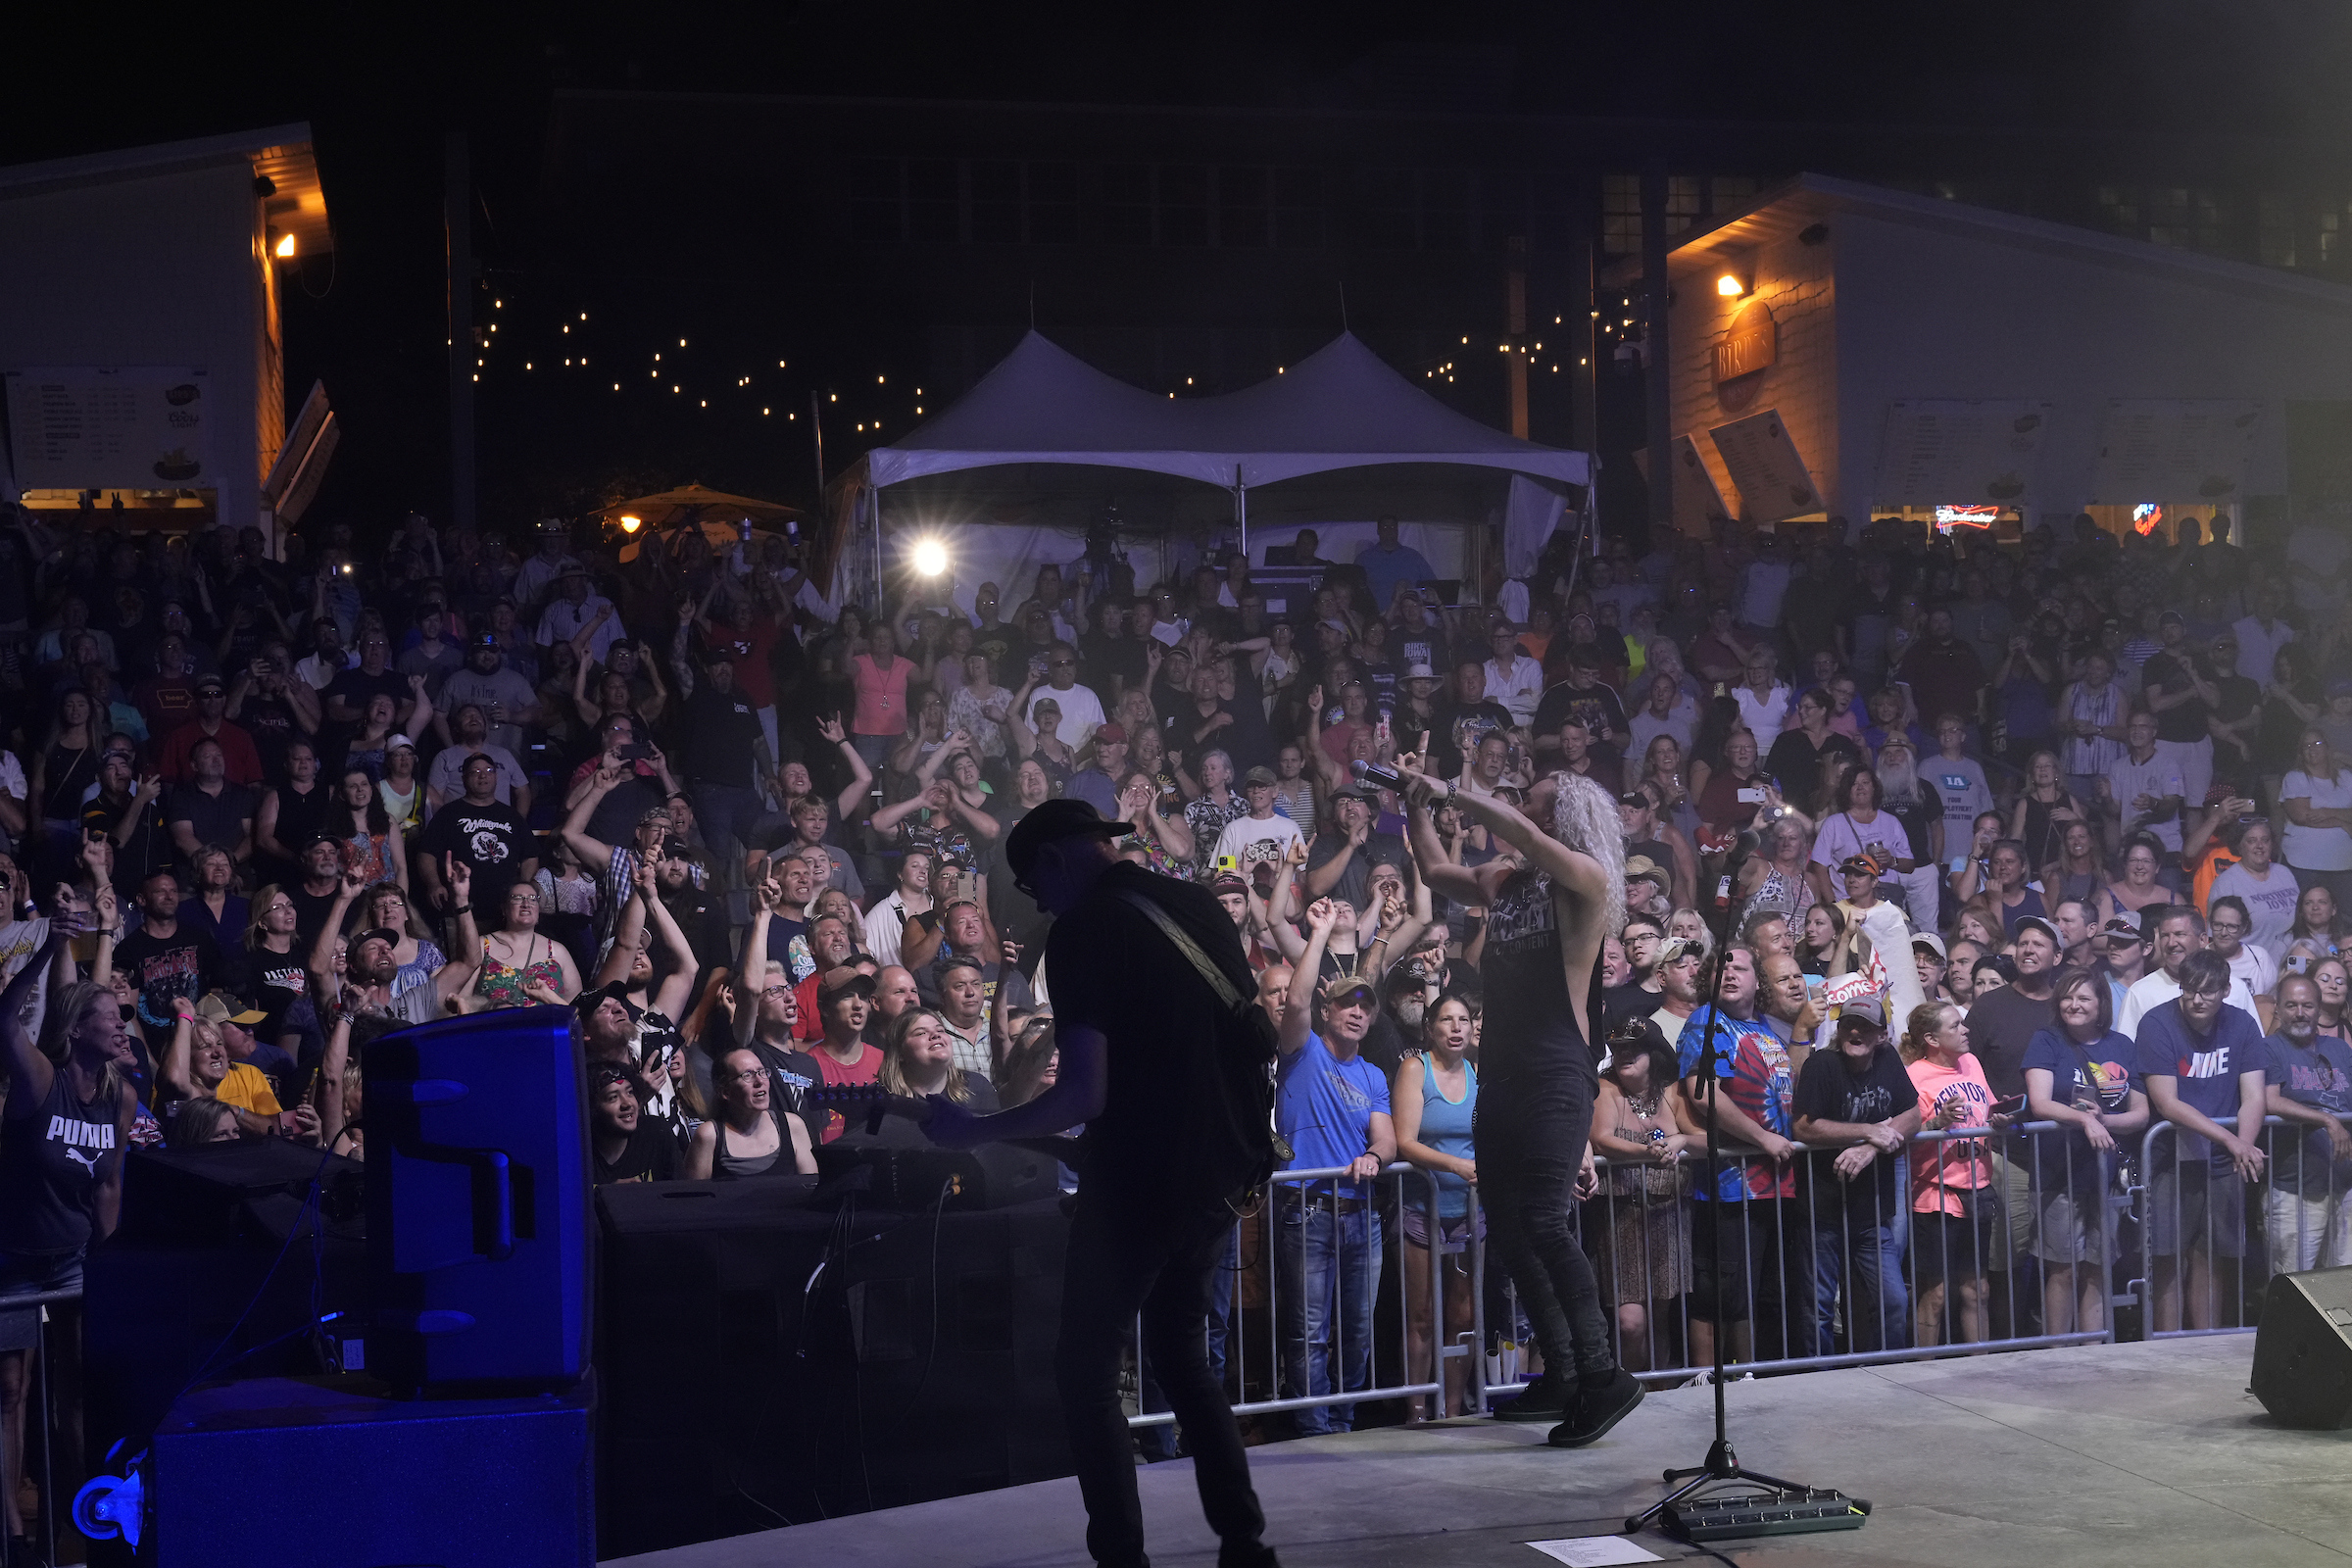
380 92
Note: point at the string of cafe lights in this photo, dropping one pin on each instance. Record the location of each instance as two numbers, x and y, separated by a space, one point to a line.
670 367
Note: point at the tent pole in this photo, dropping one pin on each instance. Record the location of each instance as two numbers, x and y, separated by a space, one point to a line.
1241 509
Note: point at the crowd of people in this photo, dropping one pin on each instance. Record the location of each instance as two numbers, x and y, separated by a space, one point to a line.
2057 830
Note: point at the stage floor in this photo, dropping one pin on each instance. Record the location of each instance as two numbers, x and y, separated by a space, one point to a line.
2131 1455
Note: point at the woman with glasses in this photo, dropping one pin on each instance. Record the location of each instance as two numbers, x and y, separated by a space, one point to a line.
521 967
2268 891
280 984
2316 798
745 1136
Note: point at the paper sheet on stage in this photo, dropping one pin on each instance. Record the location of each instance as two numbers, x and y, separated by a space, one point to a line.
1595 1552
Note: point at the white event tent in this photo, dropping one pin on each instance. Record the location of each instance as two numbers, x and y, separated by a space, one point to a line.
1018 469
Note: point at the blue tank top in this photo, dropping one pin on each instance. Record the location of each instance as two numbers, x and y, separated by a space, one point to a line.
1446 1128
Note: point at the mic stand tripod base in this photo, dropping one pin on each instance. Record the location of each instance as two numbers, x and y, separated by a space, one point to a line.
1722 1464
1793 1507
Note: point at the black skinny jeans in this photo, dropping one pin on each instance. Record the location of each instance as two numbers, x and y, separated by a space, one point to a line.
1123 1260
1529 1132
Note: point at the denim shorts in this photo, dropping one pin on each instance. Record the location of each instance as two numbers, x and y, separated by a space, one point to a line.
31 1274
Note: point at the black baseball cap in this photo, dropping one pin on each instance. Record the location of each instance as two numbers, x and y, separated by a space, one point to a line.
1050 823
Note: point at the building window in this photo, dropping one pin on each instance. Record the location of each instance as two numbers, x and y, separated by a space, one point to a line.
1053 205
1733 193
877 202
1298 209
933 201
996 201
1621 214
1122 205
2276 215
1685 201
2119 207
1387 207
1242 215
1446 210
1183 204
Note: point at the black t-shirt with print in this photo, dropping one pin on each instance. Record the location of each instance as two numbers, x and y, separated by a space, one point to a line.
491 842
185 963
1831 1090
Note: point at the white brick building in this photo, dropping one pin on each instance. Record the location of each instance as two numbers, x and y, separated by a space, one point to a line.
1922 353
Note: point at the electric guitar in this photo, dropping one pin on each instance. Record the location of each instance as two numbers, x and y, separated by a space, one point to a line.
879 1103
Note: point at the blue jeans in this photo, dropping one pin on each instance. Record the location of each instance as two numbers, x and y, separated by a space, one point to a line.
1855 1253
1327 1259
730 811
1221 1280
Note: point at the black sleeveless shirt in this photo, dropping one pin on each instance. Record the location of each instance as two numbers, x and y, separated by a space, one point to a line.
1530 1026
49 1168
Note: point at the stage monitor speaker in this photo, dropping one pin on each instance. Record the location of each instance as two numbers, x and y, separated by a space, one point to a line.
234 1192
2303 1349
280 1471
480 1209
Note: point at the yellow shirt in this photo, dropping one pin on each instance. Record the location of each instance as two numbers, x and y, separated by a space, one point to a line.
248 1089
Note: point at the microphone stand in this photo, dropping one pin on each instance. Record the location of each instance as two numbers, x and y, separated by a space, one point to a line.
1722 1462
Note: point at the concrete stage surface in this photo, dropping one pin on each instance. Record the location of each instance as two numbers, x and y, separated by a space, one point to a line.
2131 1455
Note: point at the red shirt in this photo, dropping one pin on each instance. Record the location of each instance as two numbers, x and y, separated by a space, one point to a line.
244 763
752 643
867 1069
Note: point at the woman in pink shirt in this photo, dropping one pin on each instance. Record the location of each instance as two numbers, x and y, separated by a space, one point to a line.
1951 1202
880 678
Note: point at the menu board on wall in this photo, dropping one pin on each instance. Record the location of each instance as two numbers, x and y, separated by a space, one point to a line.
133 427
1697 498
1766 468
1944 452
2185 451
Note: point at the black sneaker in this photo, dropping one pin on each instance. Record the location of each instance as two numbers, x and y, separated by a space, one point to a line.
1256 1555
1546 1399
1596 1410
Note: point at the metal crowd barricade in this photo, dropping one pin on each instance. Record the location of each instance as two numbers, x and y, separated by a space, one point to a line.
2202 1225
1813 1284
44 1409
1348 1326
2018 1245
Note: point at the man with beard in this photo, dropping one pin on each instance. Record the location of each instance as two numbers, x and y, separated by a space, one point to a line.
444 781
372 965
2309 1084
1912 800
1546 921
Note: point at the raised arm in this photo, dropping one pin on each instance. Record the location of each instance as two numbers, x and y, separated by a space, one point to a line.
30 1072
1299 1015
862 777
594 853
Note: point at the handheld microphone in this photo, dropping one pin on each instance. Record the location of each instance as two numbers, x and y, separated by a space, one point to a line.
1377 774
1746 843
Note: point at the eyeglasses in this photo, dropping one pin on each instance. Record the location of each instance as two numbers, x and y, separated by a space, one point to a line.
2204 990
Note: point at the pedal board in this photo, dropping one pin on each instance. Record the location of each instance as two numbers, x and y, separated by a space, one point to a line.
1782 1514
